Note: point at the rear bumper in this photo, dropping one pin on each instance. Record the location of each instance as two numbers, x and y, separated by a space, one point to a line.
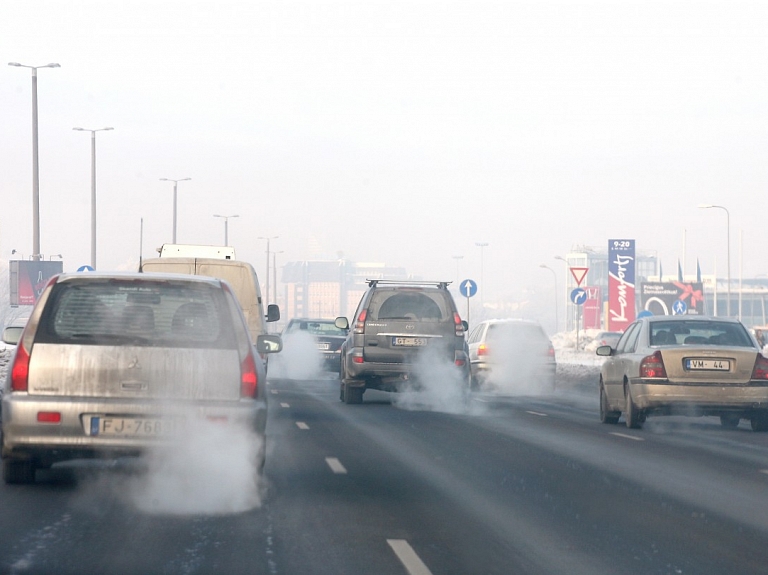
665 396
24 437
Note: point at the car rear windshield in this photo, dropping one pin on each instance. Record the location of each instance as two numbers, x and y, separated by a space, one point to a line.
411 304
699 333
137 312
516 332
327 328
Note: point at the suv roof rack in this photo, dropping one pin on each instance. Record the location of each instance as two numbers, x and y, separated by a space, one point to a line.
439 284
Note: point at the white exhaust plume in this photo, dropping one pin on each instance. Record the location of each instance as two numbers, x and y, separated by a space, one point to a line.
299 359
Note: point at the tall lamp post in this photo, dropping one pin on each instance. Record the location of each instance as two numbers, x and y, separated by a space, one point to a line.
226 226
567 268
728 244
274 271
458 259
554 274
93 189
481 245
35 166
268 252
175 183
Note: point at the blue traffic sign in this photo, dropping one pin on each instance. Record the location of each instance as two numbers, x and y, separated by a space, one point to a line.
468 288
644 313
579 296
85 268
679 307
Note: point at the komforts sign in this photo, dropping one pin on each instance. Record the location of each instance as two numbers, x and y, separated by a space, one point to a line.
28 279
621 284
672 298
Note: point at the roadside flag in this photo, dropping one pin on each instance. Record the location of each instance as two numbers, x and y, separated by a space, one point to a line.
679 272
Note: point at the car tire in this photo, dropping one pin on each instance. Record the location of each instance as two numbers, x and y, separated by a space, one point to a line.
607 416
16 471
634 417
759 421
352 395
729 421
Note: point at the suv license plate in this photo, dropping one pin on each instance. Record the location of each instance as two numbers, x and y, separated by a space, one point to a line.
133 426
708 364
409 341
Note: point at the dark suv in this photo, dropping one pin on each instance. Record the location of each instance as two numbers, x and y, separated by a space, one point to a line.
395 324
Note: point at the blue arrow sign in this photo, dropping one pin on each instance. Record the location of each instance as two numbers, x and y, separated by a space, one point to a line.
468 288
579 296
85 268
679 307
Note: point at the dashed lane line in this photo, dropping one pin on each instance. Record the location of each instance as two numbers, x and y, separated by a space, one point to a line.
273 391
537 413
302 425
625 436
412 563
285 405
336 466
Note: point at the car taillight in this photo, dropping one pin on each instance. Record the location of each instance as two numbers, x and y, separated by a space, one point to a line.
653 366
20 369
249 380
761 368
457 323
551 351
360 324
482 349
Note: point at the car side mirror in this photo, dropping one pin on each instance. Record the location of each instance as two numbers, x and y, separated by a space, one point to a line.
273 312
341 323
269 343
604 350
12 334
465 324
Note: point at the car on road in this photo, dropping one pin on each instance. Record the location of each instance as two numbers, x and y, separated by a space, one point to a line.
398 327
603 338
326 336
511 354
686 365
114 364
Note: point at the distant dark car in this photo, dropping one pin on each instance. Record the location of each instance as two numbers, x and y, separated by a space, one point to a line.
604 338
327 336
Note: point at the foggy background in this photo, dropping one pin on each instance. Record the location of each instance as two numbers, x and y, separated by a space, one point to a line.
397 132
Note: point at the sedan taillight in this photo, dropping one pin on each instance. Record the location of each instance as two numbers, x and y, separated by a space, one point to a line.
760 370
20 369
249 379
482 349
653 366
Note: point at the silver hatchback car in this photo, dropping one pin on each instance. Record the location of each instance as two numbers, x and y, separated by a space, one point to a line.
114 364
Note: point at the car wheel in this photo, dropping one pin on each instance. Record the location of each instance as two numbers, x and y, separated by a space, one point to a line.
759 421
633 416
352 395
730 420
607 416
18 471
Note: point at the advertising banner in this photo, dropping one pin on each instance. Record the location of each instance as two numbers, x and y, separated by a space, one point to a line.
621 284
592 307
28 278
673 298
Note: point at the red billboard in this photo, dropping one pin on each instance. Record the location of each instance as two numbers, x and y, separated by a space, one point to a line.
592 308
621 284
28 278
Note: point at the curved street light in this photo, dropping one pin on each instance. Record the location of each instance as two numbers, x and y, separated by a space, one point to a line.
35 164
93 188
226 226
728 244
175 183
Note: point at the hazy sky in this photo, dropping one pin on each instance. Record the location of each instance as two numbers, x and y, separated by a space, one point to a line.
400 132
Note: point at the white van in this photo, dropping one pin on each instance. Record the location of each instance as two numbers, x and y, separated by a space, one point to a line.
240 275
196 251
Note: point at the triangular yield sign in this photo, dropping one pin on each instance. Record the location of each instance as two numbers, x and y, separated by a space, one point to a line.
579 274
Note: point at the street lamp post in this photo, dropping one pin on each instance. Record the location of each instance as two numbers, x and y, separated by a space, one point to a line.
226 226
175 183
728 244
93 189
458 259
481 288
35 166
268 252
567 267
554 274
274 271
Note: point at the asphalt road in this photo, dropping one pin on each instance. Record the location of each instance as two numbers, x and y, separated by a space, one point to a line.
497 485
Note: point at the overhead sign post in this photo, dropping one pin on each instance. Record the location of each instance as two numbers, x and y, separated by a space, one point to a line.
578 297
468 288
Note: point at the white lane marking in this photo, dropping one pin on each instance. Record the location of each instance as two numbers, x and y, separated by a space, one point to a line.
537 413
285 405
408 557
302 425
273 391
336 465
480 400
625 436
764 471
